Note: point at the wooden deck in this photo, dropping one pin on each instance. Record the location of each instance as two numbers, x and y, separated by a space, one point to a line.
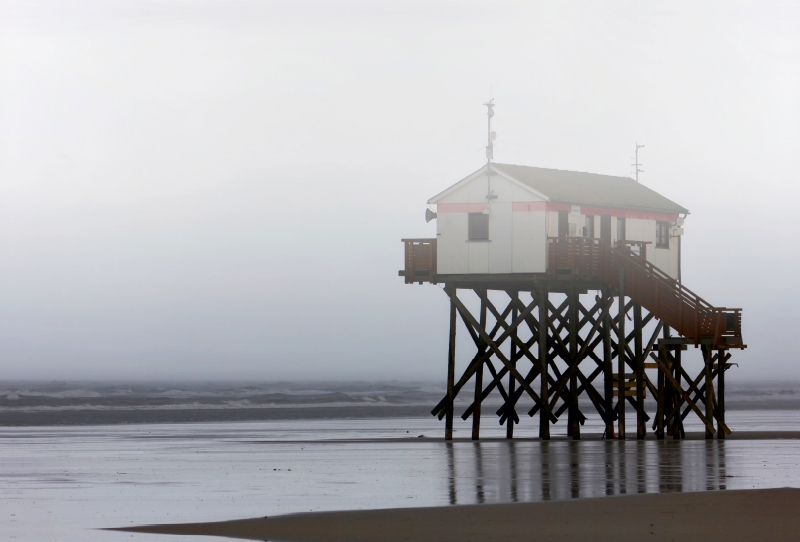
589 264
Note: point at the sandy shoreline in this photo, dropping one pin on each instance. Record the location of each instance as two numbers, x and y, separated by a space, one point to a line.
744 515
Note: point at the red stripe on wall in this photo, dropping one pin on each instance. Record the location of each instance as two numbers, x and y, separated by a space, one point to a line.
460 207
614 211
525 206
539 206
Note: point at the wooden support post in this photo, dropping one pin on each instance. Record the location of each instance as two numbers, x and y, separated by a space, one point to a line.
660 402
677 421
608 370
478 398
573 426
621 365
511 380
721 392
544 421
639 371
662 398
708 389
451 369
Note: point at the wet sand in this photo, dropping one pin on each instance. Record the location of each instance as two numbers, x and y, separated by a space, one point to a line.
64 483
760 514
204 415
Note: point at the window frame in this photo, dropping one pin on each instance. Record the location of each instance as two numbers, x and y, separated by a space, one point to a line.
471 228
588 222
662 234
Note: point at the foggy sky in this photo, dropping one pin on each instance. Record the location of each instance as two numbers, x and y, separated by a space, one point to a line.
217 189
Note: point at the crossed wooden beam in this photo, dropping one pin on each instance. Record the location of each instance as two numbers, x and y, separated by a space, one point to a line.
488 344
566 338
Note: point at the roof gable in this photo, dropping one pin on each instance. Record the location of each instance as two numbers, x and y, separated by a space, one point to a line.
482 172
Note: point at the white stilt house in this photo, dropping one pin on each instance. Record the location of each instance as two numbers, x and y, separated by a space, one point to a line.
499 218
524 233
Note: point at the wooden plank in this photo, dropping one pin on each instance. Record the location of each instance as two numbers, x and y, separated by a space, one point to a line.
631 393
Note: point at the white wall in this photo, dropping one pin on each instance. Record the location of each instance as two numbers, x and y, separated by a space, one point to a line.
517 239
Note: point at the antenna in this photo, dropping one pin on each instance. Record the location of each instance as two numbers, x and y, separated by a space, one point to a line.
637 164
491 136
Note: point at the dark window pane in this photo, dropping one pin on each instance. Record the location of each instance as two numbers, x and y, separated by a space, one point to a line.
478 226
563 223
662 234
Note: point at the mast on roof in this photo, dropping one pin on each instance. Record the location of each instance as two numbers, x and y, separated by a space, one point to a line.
636 165
491 136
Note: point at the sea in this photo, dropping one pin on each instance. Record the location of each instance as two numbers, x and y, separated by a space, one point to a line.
80 457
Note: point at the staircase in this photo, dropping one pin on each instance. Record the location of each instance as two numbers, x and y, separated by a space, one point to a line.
632 275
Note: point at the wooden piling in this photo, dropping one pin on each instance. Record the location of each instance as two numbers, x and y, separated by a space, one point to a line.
677 429
608 371
708 358
639 370
478 396
511 381
621 365
451 370
721 393
544 420
663 390
573 426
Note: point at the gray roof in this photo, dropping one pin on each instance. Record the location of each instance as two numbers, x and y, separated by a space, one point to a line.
590 188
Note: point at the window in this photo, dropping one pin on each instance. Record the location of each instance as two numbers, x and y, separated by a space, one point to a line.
662 234
588 230
620 229
478 227
563 223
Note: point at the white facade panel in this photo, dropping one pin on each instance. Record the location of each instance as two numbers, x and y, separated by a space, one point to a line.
451 248
501 236
529 242
478 256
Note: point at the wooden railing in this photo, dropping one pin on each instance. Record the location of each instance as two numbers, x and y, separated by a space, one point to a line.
680 308
420 260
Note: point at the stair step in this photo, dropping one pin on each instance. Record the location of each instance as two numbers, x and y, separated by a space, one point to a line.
630 393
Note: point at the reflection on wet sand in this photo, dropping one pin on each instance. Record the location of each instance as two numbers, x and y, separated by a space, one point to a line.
493 472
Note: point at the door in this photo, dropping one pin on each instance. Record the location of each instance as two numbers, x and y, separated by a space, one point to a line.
563 223
621 229
605 229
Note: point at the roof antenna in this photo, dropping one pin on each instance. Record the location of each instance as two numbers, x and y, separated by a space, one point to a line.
637 164
489 154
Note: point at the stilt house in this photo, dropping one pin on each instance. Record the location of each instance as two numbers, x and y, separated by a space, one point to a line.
588 269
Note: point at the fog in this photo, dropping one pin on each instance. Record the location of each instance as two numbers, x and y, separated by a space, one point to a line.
218 189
